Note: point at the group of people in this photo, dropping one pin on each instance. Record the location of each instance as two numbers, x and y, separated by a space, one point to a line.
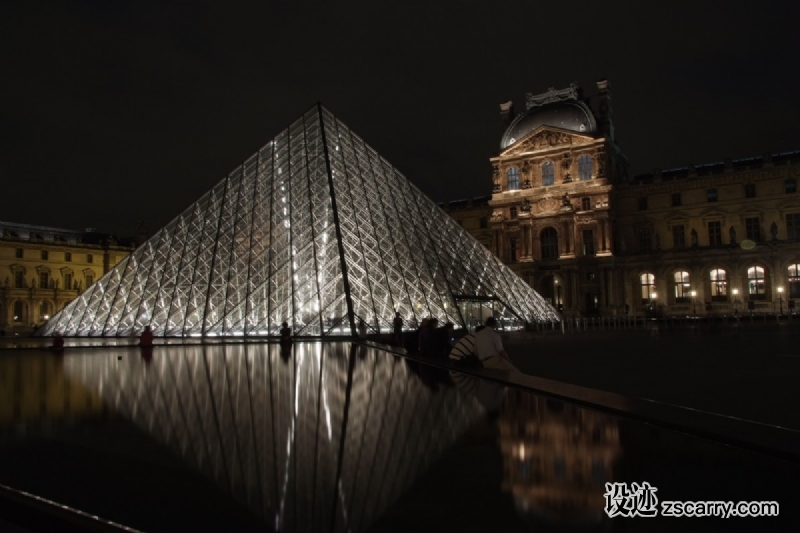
481 348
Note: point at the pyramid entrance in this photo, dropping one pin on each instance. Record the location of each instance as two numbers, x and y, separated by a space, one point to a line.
315 229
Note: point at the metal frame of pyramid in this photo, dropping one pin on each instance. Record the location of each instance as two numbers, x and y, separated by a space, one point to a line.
315 229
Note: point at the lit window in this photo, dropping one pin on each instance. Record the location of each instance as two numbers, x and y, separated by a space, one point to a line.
513 178
585 168
648 282
682 287
712 195
548 173
549 239
714 233
719 284
752 228
794 281
755 283
750 190
676 199
790 186
44 255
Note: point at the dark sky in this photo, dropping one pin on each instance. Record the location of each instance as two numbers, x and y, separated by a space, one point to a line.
116 111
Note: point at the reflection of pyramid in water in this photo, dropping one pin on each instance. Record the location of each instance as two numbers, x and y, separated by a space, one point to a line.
315 229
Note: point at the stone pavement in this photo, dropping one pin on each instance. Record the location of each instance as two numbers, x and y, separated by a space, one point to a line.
751 372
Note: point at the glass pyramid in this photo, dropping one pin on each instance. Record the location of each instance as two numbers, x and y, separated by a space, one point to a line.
315 229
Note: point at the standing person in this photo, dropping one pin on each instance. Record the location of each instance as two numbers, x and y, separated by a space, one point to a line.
489 348
286 333
146 338
398 329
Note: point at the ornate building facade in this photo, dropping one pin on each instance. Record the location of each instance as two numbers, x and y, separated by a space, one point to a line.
721 238
42 269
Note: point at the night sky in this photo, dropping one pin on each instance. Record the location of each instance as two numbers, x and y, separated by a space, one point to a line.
115 111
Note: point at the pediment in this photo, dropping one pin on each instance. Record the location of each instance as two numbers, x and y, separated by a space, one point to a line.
545 137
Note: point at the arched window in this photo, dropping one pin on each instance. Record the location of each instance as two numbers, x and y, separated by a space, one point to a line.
683 288
19 312
794 280
585 167
513 178
755 283
648 282
548 174
44 311
719 285
549 238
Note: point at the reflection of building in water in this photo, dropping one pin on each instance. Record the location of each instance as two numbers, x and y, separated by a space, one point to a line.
34 392
325 439
557 458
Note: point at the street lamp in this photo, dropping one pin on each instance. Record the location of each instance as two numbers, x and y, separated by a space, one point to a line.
736 302
694 305
780 295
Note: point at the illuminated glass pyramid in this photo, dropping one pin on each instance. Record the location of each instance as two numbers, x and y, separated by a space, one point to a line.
316 229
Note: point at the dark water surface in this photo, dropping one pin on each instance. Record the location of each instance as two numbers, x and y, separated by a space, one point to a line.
341 437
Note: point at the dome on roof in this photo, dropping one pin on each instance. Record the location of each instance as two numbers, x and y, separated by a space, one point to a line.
570 115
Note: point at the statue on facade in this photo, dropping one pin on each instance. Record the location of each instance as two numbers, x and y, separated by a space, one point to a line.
694 237
733 235
773 230
565 201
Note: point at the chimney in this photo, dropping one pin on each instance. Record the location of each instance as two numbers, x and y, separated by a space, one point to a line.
506 114
604 109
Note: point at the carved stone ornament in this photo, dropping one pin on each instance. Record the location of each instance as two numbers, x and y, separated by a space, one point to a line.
552 95
548 205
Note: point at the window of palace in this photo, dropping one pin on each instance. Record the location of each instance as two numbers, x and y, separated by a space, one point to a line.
678 236
513 178
548 173
648 283
586 203
512 244
752 228
794 280
714 233
793 226
749 190
44 255
512 212
67 257
755 283
89 258
484 223
19 279
44 310
588 242
549 239
676 199
642 203
719 284
19 311
711 195
18 253
790 186
68 281
682 287
645 239
89 280
585 168
44 279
